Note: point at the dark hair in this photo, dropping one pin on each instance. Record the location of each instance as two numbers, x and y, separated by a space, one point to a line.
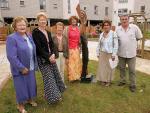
106 21
73 17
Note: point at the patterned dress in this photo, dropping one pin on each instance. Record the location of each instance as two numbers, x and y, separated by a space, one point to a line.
74 61
53 84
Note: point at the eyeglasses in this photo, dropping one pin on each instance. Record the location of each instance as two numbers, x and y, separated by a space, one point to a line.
106 25
124 19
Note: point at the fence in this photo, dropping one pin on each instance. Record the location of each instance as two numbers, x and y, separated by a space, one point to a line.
3 33
6 30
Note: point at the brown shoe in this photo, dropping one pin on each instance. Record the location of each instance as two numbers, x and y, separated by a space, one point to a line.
103 83
121 84
32 103
107 84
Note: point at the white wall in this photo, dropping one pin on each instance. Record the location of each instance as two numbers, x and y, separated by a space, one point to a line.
116 5
1 24
73 6
89 4
30 9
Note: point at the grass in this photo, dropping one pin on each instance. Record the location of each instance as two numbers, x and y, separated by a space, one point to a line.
87 98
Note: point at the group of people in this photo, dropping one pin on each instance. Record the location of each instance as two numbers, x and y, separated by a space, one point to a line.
119 44
46 51
49 52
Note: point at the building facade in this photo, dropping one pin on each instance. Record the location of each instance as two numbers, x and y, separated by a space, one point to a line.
97 10
1 19
55 9
129 6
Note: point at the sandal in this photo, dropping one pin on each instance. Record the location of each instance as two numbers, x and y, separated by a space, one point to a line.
33 104
21 111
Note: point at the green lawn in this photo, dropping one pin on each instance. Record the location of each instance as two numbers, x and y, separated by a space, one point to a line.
87 98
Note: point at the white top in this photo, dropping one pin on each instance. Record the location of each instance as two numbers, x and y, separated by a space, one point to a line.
108 44
128 40
31 53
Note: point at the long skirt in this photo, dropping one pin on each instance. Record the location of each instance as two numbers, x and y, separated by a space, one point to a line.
74 65
104 71
53 84
25 87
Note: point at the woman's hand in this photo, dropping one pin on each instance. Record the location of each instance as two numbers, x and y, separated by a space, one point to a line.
25 71
52 58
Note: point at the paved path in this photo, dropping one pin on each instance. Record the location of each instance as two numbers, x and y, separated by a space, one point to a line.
4 66
142 65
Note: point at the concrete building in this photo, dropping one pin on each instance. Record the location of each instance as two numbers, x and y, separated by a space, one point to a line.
143 6
97 10
55 9
1 19
129 6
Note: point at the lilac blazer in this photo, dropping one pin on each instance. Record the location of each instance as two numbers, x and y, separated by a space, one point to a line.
18 53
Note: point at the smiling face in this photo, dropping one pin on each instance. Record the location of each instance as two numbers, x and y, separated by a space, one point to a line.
42 22
124 21
21 27
59 29
106 26
74 22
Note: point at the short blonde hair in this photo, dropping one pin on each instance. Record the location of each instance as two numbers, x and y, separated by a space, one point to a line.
59 24
18 19
41 14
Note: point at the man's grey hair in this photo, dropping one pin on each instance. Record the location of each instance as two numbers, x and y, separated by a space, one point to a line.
121 15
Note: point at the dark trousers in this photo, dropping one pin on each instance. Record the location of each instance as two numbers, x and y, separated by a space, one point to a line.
131 66
85 56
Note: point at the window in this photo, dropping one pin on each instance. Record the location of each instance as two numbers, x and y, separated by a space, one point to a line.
142 9
123 1
55 6
42 4
122 11
4 4
84 8
106 11
96 10
22 3
69 7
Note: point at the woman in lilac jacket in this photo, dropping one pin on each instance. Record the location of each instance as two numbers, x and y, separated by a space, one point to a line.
21 53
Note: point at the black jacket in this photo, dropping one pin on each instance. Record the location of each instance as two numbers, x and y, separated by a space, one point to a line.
42 44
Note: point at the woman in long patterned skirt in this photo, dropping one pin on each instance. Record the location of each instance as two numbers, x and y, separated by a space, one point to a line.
53 84
72 33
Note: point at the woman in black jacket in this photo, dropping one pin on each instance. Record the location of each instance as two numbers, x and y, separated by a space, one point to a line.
53 84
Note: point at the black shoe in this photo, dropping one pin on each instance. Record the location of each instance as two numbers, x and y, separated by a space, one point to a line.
86 80
132 88
121 84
